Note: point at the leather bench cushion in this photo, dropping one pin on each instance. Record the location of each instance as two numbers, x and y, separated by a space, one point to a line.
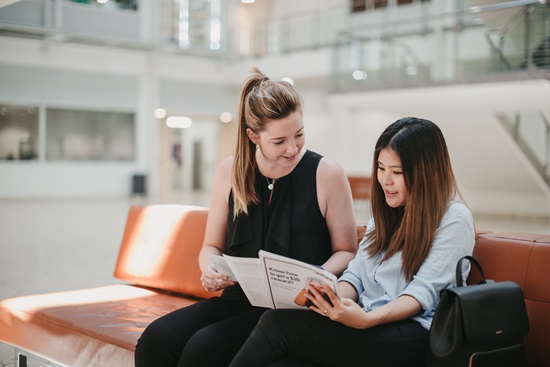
537 299
90 327
160 248
502 257
523 258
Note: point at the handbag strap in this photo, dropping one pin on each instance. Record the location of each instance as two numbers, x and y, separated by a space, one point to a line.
459 280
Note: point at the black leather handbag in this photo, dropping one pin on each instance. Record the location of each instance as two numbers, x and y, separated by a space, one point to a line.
479 325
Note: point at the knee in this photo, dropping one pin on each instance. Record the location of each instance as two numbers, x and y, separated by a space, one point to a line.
152 338
202 341
282 323
271 320
205 348
156 347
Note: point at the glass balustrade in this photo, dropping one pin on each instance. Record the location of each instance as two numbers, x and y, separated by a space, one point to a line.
467 45
417 43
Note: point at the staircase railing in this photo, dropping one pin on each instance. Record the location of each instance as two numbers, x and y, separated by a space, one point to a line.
503 33
531 132
523 36
448 48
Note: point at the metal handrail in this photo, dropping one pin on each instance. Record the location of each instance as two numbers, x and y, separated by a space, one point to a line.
498 51
543 168
503 32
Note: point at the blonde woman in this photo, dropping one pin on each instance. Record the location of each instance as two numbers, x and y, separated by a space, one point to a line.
273 194
389 292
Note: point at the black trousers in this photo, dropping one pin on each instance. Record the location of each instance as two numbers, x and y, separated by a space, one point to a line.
299 335
207 333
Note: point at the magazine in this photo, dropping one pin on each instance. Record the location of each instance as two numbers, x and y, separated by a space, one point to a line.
273 281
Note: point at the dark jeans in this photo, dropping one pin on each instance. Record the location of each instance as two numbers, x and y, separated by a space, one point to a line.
306 336
208 333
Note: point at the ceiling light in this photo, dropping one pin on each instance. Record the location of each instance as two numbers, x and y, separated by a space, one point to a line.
160 113
359 74
178 122
226 117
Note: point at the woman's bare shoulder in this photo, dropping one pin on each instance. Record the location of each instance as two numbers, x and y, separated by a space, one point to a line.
330 169
222 178
225 166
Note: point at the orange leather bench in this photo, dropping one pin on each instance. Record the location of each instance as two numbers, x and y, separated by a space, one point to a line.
100 326
523 258
158 263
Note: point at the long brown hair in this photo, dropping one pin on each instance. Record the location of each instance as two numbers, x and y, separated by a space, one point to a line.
431 184
261 99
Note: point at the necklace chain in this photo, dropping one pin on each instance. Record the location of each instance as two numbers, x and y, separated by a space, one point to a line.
271 185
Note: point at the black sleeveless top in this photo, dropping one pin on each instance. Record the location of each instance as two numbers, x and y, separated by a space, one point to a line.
291 224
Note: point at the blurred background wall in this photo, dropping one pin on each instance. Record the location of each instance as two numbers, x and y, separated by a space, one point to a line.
87 89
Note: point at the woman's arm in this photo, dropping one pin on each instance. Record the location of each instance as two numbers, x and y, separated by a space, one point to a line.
401 308
216 228
336 203
346 290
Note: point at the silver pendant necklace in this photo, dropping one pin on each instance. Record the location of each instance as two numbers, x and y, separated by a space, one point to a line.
271 185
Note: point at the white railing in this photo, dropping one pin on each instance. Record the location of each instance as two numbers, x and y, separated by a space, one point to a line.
394 47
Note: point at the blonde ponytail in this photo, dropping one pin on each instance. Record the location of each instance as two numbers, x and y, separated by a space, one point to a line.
261 100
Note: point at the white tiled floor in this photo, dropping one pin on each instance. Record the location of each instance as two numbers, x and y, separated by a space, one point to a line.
56 245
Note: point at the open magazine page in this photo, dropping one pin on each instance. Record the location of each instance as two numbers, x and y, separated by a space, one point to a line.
251 276
288 278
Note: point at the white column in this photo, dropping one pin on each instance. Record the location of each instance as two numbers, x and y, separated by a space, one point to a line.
147 131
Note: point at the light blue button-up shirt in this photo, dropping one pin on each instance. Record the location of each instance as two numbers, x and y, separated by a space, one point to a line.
378 283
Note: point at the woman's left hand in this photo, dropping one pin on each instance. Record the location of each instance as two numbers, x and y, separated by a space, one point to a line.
344 310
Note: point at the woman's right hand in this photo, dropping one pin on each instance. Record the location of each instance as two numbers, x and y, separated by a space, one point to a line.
213 281
344 310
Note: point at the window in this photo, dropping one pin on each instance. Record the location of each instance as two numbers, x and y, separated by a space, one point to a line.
121 4
18 132
89 135
362 5
197 24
